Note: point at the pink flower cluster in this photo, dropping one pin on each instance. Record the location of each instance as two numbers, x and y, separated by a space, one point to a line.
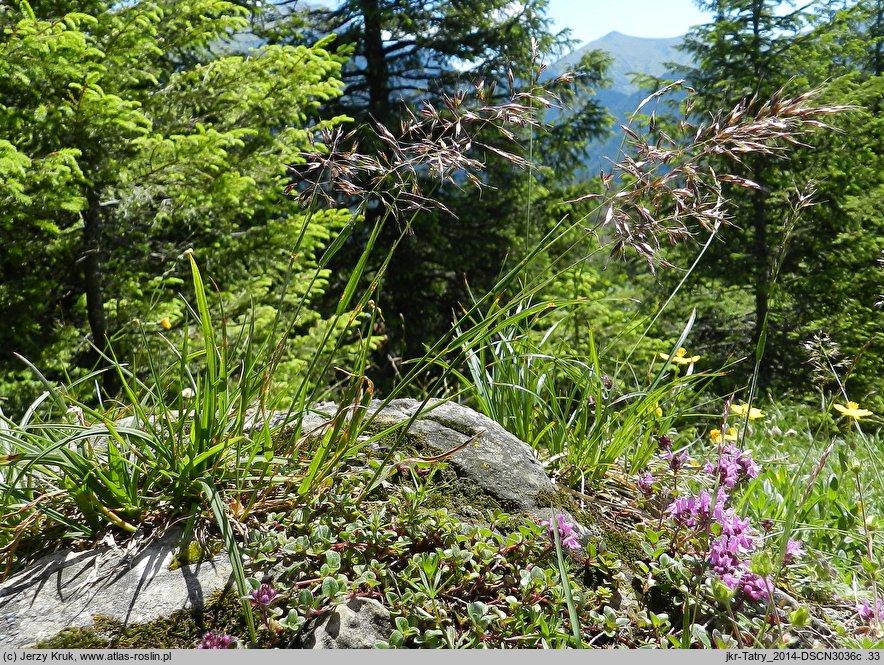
866 611
566 531
217 640
729 553
263 596
733 466
696 512
753 586
733 540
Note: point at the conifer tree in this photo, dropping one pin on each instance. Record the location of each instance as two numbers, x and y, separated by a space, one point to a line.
129 133
405 52
753 49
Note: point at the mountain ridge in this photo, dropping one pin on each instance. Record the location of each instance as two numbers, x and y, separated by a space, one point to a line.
631 55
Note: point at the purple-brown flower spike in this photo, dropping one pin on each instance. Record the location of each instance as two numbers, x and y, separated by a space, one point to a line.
263 596
217 640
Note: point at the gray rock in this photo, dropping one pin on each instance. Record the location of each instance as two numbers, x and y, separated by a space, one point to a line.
357 624
501 465
504 467
68 589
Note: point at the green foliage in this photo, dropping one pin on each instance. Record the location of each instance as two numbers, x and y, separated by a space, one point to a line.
134 132
839 244
415 558
129 138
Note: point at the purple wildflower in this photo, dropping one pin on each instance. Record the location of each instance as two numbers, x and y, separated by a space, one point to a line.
664 442
726 470
724 556
754 586
733 465
705 512
698 511
217 640
263 596
730 580
566 531
676 461
682 510
866 612
727 553
646 482
793 550
749 465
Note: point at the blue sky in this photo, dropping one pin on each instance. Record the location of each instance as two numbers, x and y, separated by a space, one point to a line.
591 19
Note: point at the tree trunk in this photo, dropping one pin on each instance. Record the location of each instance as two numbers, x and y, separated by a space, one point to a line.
376 74
878 36
95 313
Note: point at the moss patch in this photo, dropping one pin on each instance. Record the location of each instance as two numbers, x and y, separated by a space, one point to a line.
182 630
450 424
460 495
625 545
557 499
75 638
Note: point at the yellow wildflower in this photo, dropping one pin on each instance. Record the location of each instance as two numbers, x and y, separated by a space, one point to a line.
681 357
165 323
658 411
716 436
745 410
852 410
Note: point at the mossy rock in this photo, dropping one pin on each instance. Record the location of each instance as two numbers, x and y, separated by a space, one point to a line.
182 630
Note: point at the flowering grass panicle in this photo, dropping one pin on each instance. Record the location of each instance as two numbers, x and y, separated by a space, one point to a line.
445 143
675 193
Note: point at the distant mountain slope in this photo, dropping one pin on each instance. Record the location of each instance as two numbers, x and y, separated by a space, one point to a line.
631 55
